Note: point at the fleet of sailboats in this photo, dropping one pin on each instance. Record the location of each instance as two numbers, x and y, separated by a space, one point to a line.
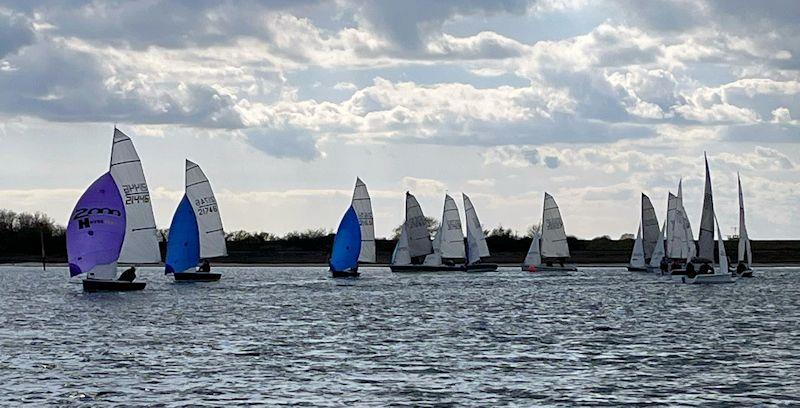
113 224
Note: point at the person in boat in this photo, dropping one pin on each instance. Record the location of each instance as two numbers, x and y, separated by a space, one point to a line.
204 267
742 268
705 268
128 275
690 270
664 265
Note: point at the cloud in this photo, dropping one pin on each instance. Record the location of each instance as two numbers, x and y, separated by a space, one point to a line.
284 143
15 32
423 186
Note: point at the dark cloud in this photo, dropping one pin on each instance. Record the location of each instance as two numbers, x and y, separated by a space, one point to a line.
15 32
290 143
763 133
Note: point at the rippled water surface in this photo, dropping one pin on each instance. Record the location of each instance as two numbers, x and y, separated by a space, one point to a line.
294 336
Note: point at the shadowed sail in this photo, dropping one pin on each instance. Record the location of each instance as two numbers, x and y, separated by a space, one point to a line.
745 253
401 256
96 230
650 229
476 240
419 240
363 206
554 238
706 238
637 256
140 244
347 244
659 252
533 257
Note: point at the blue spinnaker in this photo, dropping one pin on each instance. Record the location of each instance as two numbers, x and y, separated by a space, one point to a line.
96 227
183 244
347 244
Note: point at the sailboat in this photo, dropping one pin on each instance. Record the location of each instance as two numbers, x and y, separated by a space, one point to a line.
680 245
552 244
356 232
113 223
700 269
476 241
196 231
448 243
637 262
744 267
415 238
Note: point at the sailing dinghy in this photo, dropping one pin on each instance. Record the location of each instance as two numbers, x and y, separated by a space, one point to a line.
553 246
680 245
356 233
700 269
415 243
637 262
113 223
745 253
196 231
476 241
448 243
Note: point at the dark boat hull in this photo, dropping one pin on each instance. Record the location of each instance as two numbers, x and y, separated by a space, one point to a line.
196 276
101 285
637 269
481 267
427 268
345 274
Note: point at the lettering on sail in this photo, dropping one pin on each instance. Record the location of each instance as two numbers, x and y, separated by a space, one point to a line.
136 193
82 215
206 205
365 218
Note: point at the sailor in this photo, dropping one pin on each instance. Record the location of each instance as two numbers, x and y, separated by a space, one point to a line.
741 268
664 265
204 267
129 275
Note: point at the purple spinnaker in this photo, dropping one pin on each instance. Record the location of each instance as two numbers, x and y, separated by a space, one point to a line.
96 227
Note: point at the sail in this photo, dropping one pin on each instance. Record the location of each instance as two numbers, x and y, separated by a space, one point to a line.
706 238
401 256
363 206
476 240
533 257
183 243
419 240
436 257
688 235
672 206
204 204
659 251
723 257
637 256
554 238
95 230
745 253
347 244
140 244
452 242
650 229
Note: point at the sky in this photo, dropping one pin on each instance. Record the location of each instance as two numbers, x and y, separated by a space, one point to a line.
284 103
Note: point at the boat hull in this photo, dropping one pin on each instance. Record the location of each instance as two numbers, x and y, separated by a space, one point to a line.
196 276
107 285
637 268
545 268
427 268
345 274
481 267
708 279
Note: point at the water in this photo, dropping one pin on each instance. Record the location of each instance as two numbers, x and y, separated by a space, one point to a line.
293 336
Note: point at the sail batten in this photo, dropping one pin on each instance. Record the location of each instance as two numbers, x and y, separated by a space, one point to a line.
554 237
363 205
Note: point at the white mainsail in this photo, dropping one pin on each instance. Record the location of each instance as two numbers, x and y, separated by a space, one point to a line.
436 257
723 257
637 256
476 240
140 244
650 229
452 245
363 207
419 240
554 238
688 235
659 251
706 238
206 212
534 257
745 253
672 206
401 256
